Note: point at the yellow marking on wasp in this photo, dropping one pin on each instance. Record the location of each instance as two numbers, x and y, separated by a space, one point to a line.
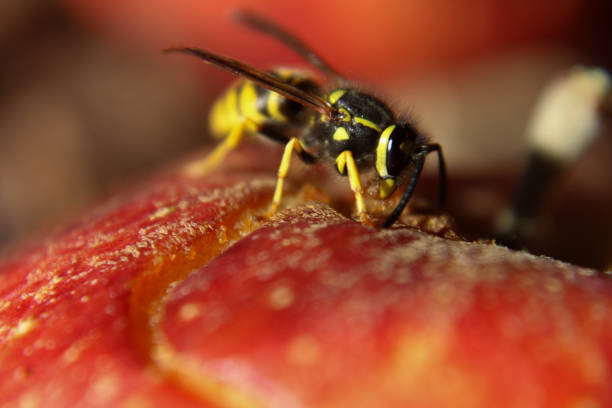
367 123
274 101
353 175
224 115
381 152
341 163
341 134
248 107
386 187
283 169
337 94
231 100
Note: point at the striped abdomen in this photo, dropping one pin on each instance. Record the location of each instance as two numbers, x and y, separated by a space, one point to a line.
247 101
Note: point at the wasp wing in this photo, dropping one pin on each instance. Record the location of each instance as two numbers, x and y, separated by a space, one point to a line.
263 25
263 78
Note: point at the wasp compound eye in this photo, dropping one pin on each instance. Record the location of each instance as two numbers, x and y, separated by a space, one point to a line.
399 149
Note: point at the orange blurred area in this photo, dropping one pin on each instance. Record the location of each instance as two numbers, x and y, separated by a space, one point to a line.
88 103
385 39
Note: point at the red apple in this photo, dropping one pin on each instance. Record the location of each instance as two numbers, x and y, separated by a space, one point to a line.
174 293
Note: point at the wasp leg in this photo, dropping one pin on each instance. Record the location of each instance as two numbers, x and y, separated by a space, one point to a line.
346 159
210 162
283 169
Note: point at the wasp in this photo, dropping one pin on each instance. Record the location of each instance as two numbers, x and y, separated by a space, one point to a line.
350 129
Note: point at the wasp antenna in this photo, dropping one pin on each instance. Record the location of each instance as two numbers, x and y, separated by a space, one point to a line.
418 168
263 78
259 23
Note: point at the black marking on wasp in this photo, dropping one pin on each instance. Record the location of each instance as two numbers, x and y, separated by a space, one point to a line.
345 126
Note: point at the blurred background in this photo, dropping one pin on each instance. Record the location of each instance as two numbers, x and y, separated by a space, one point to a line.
87 101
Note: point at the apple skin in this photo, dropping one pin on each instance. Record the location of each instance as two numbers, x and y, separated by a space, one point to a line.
176 293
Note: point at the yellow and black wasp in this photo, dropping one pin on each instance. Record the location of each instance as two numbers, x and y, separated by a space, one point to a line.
349 128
